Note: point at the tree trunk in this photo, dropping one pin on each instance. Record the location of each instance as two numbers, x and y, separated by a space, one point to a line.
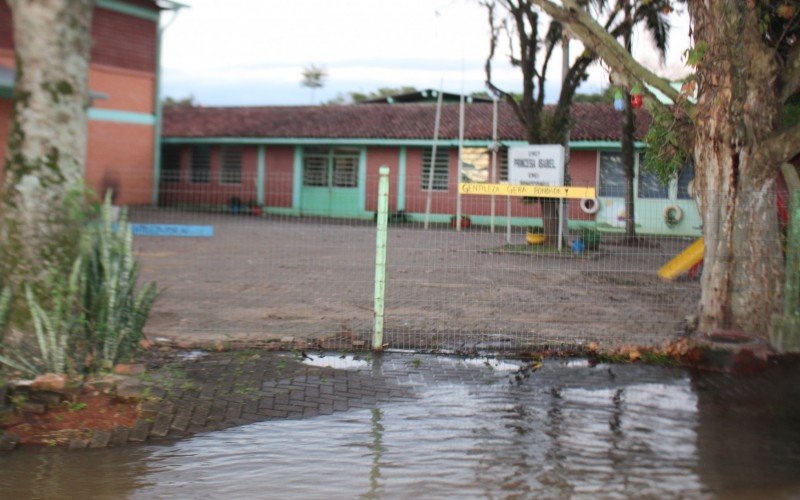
628 129
46 152
735 183
629 162
549 208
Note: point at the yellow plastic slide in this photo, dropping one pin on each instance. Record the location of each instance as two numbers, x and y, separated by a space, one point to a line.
683 261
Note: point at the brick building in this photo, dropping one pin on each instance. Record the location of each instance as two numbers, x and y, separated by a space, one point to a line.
324 160
123 133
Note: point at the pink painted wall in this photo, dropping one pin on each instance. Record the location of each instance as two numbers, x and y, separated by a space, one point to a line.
376 158
214 192
279 176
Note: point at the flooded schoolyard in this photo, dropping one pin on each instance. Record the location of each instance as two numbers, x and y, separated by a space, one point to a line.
437 426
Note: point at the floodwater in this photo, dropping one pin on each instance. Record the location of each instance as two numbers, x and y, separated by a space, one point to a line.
473 430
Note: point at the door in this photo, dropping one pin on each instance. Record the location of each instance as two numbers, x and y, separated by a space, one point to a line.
330 182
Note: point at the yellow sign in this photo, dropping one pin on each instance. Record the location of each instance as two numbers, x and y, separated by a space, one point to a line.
574 192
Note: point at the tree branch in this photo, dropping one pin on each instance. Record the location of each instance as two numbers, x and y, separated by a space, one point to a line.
784 144
790 79
494 32
582 26
552 39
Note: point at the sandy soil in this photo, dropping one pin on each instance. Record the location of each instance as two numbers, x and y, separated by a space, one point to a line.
268 278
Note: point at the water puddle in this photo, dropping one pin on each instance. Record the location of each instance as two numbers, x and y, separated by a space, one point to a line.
569 430
336 361
492 364
192 355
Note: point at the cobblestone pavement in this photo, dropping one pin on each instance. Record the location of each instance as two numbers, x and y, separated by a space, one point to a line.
199 392
190 392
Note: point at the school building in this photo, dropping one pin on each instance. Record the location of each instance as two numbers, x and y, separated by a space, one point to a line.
124 117
324 161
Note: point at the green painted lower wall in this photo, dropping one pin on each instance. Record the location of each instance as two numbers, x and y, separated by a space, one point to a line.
649 217
120 116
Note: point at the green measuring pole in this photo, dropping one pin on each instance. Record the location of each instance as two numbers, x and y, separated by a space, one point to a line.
380 257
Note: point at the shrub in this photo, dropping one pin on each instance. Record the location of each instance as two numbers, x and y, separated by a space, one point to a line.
591 238
91 319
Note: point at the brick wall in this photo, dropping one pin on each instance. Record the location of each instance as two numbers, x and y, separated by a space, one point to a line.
123 41
279 176
376 158
119 40
213 192
120 155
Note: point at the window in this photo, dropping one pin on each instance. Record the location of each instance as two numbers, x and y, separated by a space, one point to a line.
502 165
650 186
230 171
441 177
200 167
315 171
685 177
345 168
325 167
612 175
171 164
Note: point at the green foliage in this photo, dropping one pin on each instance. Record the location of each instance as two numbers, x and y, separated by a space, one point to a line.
73 407
604 96
665 154
180 102
791 111
590 237
114 311
695 54
90 319
314 77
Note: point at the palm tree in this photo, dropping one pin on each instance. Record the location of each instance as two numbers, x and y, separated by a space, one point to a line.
313 78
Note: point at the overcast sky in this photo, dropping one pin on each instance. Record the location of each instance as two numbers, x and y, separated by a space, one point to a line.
252 52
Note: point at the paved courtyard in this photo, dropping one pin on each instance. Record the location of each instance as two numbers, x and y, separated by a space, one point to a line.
259 280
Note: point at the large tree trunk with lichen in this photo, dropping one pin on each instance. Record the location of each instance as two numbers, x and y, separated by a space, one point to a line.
735 180
44 163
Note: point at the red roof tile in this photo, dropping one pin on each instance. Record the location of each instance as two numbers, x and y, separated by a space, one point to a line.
593 122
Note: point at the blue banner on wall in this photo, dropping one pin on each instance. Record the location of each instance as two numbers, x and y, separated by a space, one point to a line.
180 230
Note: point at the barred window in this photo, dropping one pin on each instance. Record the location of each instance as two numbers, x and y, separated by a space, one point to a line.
200 167
171 163
345 168
441 170
230 171
502 165
315 171
331 167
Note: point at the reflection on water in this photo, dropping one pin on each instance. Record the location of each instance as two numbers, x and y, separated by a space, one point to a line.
569 430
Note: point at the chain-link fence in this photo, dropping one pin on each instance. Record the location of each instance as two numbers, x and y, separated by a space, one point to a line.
231 269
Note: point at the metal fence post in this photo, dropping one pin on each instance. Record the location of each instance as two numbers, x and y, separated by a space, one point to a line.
380 257
785 335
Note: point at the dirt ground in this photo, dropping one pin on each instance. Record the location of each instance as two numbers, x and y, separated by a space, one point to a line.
267 278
